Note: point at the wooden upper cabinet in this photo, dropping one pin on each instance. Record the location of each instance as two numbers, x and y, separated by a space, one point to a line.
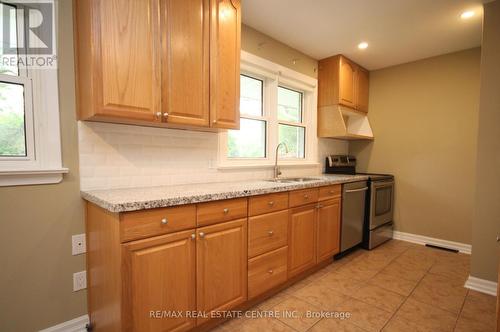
118 67
362 86
221 259
347 83
301 239
185 61
151 284
328 231
225 40
159 62
342 82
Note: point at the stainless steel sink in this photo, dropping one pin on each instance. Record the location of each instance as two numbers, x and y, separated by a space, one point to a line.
292 180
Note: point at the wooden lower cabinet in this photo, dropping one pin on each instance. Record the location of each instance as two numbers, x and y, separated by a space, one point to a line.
159 274
221 266
328 229
267 271
302 239
137 274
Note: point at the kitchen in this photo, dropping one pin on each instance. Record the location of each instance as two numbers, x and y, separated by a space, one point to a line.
231 164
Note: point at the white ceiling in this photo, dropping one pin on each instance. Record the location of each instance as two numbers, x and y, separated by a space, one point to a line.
397 31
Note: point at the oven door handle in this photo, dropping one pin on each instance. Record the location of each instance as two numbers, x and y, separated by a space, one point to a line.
356 190
384 184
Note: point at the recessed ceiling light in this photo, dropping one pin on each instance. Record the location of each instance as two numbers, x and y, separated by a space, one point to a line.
362 45
467 14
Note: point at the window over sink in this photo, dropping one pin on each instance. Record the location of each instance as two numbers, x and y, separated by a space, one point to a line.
277 105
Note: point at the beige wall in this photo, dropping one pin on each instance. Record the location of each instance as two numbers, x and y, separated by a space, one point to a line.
424 118
257 43
486 224
36 224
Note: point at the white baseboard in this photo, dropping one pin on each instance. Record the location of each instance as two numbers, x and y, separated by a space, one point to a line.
423 240
74 325
481 285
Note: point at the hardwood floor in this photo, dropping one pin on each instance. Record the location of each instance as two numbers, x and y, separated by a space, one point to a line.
397 287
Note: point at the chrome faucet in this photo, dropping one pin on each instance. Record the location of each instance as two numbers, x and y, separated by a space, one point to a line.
277 171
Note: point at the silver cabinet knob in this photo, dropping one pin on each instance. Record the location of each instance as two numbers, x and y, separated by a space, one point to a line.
165 114
158 115
226 211
319 206
271 233
332 191
193 236
270 271
306 196
164 221
271 203
202 235
498 238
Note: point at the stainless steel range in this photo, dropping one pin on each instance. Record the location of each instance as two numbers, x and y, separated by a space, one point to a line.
379 222
379 211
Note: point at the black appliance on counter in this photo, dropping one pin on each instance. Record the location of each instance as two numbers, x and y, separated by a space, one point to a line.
379 207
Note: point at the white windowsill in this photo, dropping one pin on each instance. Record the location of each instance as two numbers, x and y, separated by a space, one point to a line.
31 176
280 164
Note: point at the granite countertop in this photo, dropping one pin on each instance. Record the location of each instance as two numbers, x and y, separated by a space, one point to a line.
133 199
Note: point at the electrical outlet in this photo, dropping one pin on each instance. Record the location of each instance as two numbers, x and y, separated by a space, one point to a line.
79 280
78 245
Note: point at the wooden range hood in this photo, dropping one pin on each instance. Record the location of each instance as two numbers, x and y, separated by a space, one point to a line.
343 123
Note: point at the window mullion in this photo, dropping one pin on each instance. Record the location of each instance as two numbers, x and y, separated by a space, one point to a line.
272 111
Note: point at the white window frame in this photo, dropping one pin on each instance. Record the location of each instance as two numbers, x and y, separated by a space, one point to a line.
275 75
42 163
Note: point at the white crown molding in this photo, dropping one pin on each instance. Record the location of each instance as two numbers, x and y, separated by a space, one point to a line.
481 285
75 325
423 240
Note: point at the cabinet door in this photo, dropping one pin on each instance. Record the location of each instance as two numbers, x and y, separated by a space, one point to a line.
302 239
185 61
126 40
225 33
221 259
347 83
328 229
362 87
159 275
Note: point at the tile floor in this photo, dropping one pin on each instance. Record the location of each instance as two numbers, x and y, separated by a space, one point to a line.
398 286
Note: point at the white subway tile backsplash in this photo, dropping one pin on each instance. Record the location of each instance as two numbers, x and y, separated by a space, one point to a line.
122 156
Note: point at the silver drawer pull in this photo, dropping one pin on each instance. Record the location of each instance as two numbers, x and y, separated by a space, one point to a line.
271 233
226 211
164 221
271 203
270 271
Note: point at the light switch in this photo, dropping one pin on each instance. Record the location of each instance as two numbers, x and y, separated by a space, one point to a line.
78 245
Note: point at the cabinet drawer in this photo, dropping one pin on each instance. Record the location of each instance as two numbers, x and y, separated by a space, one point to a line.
329 192
267 232
141 224
267 271
267 203
219 211
302 197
